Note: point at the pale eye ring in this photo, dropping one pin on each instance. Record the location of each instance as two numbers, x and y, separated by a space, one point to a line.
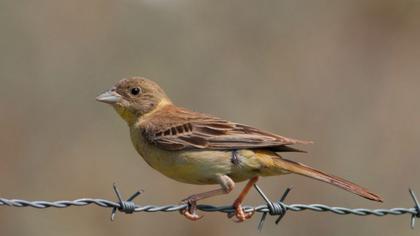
135 91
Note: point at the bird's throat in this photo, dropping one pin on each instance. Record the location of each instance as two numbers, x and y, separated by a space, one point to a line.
127 115
136 117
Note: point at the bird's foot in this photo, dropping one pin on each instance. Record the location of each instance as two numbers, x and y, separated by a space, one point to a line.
190 211
240 214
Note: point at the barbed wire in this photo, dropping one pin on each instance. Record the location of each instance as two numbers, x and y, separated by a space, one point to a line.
277 208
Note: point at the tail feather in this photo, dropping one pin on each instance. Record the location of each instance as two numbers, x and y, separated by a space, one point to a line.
301 169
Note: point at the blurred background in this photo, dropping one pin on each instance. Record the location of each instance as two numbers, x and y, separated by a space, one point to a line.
342 73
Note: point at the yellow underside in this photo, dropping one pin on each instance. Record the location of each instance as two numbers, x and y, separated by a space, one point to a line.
204 166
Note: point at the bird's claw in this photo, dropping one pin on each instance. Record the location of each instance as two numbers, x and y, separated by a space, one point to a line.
240 214
190 211
191 216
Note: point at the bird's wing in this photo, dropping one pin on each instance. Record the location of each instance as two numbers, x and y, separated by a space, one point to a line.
174 128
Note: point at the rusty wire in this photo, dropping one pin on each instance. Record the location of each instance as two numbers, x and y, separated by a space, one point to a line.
277 208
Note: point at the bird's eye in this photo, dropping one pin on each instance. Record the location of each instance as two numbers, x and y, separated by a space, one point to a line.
135 91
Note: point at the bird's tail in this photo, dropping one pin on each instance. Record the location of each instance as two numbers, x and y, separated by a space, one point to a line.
301 169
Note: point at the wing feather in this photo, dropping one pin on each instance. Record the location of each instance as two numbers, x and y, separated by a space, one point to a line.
174 128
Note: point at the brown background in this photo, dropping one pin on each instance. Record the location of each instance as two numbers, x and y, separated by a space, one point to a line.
342 73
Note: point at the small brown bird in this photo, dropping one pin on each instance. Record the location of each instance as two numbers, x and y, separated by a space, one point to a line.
197 148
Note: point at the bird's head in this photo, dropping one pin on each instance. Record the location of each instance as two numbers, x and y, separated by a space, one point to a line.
135 97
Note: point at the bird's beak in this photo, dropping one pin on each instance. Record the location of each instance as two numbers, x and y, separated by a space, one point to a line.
110 97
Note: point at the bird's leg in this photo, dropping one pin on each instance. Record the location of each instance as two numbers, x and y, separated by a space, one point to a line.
226 184
190 212
237 204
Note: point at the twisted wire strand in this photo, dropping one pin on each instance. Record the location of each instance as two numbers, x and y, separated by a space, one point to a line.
207 208
278 208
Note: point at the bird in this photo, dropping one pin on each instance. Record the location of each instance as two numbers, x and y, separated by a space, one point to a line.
197 148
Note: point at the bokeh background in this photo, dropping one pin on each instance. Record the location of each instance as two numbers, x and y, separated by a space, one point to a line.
342 73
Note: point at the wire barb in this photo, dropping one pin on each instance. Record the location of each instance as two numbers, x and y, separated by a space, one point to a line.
128 206
274 208
416 208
